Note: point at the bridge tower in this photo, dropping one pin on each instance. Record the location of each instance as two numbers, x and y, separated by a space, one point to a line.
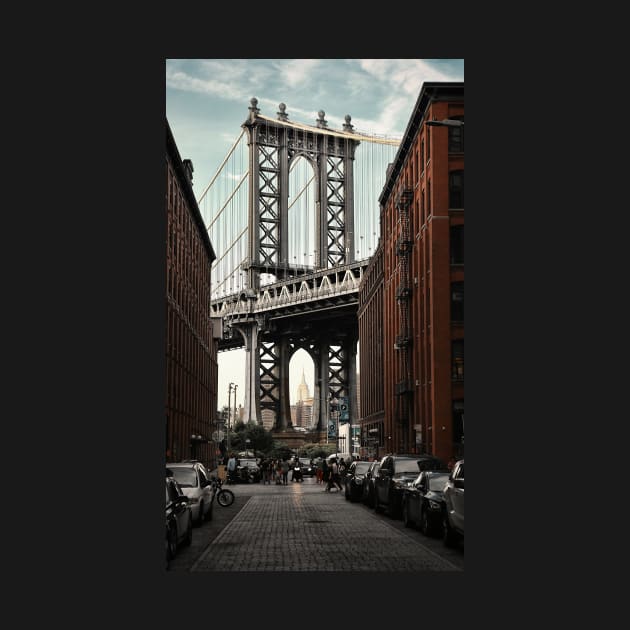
273 146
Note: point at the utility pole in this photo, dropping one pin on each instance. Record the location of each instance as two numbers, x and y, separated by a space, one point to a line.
228 415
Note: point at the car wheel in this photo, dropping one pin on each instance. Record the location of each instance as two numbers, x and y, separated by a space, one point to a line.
200 518
209 515
346 493
188 539
448 535
405 514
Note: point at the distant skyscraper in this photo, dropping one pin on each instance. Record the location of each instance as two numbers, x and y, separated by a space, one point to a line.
303 409
303 393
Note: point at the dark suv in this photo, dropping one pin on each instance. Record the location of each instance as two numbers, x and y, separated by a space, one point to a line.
453 514
394 475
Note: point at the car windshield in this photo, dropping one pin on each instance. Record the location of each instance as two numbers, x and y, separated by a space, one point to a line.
248 462
305 462
438 482
185 477
407 466
361 468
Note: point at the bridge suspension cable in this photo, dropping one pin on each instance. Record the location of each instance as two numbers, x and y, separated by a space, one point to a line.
224 205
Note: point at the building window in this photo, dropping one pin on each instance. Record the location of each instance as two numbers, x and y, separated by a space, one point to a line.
458 427
422 155
457 363
456 189
457 301
456 137
457 244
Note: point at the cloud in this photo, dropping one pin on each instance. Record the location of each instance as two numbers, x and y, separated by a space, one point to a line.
297 71
182 81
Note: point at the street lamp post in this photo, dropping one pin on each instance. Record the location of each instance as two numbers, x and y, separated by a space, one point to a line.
235 386
228 416
447 122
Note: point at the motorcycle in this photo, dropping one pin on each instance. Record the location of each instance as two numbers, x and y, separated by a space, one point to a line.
297 474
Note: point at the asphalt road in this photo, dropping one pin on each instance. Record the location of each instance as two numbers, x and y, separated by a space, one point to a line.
299 527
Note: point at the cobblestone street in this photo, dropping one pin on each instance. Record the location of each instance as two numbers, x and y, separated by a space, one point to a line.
299 527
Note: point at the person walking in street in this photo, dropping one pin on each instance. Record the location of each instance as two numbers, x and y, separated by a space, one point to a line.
285 472
231 468
333 476
265 466
319 473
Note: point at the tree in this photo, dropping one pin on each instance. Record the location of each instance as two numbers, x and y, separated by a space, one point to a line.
260 440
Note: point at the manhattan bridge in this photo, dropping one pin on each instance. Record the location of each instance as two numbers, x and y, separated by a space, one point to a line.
293 215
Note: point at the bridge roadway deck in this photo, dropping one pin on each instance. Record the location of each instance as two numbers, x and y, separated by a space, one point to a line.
299 527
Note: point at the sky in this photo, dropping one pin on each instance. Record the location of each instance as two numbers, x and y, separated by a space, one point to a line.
207 101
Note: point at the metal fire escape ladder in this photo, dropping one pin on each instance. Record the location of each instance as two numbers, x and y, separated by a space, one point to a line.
404 245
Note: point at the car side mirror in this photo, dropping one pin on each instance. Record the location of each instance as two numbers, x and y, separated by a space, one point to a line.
458 483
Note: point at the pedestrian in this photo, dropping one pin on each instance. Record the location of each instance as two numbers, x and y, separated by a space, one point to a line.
231 468
265 466
285 472
333 476
325 471
319 472
278 469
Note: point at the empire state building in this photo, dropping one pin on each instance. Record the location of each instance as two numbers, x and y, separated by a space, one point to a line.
302 411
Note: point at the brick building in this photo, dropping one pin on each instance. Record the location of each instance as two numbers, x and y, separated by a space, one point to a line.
422 240
370 318
191 352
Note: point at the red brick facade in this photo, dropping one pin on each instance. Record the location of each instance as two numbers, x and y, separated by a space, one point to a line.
370 317
191 354
422 218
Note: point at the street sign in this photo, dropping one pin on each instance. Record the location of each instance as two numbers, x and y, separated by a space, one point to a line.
332 429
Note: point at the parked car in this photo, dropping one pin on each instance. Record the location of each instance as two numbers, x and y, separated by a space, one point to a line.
368 485
453 513
252 469
423 502
194 480
354 480
395 473
179 519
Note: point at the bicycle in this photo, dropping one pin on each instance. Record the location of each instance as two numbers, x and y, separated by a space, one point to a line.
224 496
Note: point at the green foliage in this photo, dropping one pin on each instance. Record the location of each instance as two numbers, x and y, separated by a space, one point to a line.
317 450
280 451
260 440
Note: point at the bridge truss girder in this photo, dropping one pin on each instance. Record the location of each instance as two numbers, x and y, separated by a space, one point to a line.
272 148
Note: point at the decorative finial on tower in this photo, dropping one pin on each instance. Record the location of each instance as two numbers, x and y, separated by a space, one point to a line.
253 110
282 114
321 123
347 126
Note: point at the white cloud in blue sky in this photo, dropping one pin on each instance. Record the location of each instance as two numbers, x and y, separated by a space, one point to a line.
207 100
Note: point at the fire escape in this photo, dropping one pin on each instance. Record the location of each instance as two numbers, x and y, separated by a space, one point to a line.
404 386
